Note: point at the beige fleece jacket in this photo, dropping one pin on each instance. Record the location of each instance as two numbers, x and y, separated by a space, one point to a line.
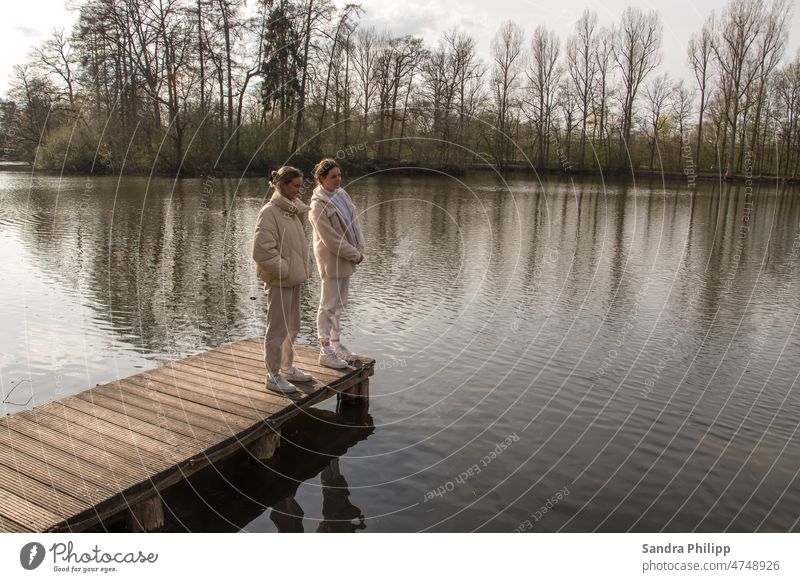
334 247
280 248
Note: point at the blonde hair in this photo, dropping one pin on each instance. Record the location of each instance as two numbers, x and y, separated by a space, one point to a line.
324 167
283 175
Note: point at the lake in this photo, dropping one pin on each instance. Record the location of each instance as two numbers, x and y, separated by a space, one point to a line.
550 356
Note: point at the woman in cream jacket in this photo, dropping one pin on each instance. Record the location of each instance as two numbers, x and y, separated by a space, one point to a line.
338 248
280 251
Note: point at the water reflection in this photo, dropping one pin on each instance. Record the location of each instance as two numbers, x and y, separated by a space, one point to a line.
641 340
243 495
339 515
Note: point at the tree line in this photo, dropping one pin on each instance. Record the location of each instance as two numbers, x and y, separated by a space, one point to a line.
205 85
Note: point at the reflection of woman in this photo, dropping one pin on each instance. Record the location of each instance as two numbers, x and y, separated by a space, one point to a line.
338 514
338 248
337 511
280 251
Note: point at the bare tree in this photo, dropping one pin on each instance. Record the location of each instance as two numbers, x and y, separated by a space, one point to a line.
699 54
365 55
603 58
658 94
787 93
582 67
543 74
344 28
637 46
507 65
468 73
682 109
56 56
735 34
769 50
36 93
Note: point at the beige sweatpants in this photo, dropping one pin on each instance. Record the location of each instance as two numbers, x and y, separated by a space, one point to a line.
283 324
332 301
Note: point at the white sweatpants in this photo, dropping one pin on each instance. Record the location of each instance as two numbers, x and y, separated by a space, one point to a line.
332 301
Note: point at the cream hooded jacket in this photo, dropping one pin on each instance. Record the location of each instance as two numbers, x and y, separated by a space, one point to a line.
280 248
334 247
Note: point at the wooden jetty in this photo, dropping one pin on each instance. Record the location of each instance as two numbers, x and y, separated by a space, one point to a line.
71 464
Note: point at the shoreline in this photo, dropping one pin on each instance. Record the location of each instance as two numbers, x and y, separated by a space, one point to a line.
411 168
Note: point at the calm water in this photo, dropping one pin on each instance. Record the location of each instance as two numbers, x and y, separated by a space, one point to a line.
635 350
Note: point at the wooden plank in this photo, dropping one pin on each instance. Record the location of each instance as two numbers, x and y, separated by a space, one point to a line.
59 479
9 526
129 398
223 374
252 396
179 396
119 442
305 388
80 468
208 414
244 361
27 514
173 438
89 452
40 493
226 372
243 392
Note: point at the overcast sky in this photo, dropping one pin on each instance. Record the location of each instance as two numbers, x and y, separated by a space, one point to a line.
27 22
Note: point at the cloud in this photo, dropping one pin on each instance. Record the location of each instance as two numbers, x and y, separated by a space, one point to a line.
28 32
418 17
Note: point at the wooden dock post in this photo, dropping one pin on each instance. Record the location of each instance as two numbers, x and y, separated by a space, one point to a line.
264 447
146 515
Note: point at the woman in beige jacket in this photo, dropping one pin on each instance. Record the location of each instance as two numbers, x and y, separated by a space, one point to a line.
338 248
280 251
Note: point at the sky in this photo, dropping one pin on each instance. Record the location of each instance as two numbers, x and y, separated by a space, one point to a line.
26 23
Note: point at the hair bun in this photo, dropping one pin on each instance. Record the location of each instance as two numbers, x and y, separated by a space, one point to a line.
273 174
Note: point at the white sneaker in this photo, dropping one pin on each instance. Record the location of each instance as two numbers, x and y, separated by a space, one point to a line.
329 359
294 375
279 384
343 353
